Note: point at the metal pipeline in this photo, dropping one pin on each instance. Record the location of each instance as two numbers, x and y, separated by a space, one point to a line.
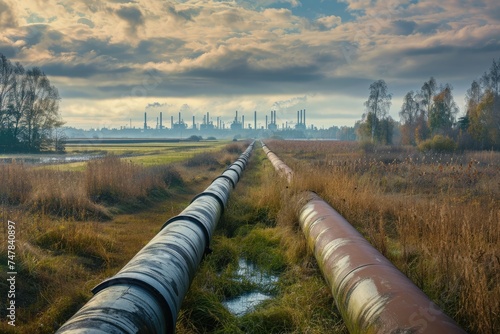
279 165
372 295
145 296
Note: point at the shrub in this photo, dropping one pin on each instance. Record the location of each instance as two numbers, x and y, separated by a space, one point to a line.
195 138
367 146
438 143
234 148
203 159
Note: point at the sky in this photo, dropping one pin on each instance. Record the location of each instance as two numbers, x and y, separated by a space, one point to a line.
114 60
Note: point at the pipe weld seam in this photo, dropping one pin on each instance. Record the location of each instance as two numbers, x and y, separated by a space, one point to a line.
194 220
207 193
129 281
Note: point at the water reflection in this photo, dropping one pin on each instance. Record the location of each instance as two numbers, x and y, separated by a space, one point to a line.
37 159
263 282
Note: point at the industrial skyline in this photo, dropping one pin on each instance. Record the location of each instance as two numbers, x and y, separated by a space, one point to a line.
178 122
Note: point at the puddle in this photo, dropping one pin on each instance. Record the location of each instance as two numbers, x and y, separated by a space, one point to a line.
247 302
34 159
247 270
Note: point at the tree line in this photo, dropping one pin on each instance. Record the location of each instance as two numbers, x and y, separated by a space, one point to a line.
29 110
432 113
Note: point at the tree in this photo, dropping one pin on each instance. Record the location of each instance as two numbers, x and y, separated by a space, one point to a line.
484 121
491 79
426 96
443 111
409 116
29 108
425 101
377 107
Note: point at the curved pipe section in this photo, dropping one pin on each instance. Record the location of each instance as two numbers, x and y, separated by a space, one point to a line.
372 295
145 296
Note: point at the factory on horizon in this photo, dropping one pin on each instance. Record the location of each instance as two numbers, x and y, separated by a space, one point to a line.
214 127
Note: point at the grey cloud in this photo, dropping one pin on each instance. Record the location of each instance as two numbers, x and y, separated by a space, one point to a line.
133 16
183 15
83 70
87 22
7 17
241 71
432 27
35 33
156 105
403 27
8 50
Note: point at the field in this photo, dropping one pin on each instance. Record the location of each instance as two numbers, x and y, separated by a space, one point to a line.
433 215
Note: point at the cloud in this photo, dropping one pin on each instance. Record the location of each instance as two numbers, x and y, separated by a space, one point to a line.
328 22
156 105
8 18
108 49
133 16
87 22
403 27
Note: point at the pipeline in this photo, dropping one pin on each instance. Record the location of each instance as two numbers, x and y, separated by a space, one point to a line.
279 165
372 295
146 294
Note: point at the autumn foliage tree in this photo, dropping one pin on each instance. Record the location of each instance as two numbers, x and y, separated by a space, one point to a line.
482 119
443 112
29 108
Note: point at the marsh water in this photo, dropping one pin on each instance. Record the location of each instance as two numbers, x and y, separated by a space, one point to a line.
263 282
46 159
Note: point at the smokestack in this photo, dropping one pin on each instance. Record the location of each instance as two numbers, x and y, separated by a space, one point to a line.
304 117
298 119
275 117
145 121
179 117
208 117
161 120
255 119
266 122
236 118
171 122
301 119
243 121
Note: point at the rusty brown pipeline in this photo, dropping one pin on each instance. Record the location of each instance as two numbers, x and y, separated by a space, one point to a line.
278 164
372 295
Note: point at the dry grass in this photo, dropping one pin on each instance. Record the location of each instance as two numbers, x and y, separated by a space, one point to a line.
80 194
75 228
434 215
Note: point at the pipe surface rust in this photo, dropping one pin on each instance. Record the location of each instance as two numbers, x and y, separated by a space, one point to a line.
372 295
145 296
279 165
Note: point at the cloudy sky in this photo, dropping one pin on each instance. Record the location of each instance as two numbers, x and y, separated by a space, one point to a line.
113 60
